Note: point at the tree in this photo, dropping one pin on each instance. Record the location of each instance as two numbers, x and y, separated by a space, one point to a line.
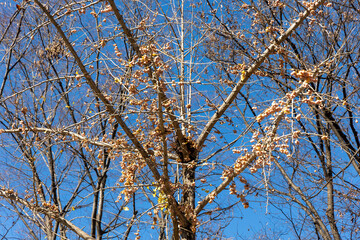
320 140
125 118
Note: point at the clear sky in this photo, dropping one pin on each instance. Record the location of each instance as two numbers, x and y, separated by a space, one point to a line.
210 36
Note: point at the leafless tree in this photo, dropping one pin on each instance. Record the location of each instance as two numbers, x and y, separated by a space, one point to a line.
137 118
314 177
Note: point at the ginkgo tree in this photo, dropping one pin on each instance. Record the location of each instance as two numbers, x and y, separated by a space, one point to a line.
130 119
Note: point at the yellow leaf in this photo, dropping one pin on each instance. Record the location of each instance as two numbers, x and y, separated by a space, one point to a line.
126 208
243 73
286 110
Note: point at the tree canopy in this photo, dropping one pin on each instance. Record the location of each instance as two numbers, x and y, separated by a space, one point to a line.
173 119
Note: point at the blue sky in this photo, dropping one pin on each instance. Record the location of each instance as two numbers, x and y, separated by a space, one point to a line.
203 75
